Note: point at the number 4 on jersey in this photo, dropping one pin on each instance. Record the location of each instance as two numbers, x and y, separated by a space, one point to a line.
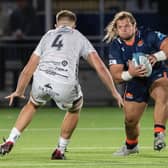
57 42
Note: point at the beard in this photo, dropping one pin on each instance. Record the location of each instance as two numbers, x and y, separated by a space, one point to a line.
128 37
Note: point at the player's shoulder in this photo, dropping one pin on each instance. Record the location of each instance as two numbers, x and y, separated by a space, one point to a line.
48 33
116 43
150 33
144 31
77 32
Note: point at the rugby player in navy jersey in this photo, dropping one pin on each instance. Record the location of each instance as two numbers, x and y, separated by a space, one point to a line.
124 40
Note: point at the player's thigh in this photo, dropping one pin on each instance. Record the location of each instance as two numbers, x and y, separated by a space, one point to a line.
70 97
77 105
37 95
134 110
159 90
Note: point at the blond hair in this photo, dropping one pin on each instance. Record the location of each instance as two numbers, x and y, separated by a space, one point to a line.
66 14
111 28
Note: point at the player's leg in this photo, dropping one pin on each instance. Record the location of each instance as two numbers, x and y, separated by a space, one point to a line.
25 116
68 125
159 92
133 112
22 122
37 98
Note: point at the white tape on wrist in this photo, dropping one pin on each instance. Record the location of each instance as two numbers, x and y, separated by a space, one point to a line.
126 76
160 56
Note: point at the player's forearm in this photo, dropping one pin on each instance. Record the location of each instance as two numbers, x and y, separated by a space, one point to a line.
107 79
117 73
27 73
164 48
118 77
23 82
102 71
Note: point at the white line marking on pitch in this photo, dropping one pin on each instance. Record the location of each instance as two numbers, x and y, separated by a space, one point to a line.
81 148
80 129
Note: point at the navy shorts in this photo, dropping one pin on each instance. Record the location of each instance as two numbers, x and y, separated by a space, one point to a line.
138 88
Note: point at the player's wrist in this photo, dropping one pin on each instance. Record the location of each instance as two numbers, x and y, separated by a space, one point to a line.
126 76
160 55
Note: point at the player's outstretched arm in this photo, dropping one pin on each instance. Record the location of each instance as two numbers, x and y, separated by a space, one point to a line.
24 78
104 74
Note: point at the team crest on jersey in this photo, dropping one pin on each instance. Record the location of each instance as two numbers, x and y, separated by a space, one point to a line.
140 43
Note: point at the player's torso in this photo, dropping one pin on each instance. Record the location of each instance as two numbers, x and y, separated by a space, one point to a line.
141 44
60 57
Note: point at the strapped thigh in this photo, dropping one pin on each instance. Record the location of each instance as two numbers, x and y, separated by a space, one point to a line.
77 105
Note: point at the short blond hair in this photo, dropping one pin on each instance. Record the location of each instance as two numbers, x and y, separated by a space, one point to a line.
111 28
66 14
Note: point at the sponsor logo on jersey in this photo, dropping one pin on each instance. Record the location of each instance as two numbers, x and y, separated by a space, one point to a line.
160 35
112 61
55 68
140 43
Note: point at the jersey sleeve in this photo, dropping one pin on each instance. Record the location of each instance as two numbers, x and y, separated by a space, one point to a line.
39 49
155 38
86 48
115 55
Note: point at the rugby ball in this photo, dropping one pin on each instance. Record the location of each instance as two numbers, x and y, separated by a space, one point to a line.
141 59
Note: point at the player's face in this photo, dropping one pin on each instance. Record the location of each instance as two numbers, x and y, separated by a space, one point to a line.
125 29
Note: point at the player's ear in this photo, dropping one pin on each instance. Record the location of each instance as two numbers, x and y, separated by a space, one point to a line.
74 25
55 25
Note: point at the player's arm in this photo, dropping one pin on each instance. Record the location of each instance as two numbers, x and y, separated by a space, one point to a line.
27 73
162 54
120 75
95 61
24 78
116 71
164 47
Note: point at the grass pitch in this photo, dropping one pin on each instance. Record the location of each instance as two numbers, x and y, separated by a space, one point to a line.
100 132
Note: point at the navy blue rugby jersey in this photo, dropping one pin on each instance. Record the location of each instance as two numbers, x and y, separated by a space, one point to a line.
147 42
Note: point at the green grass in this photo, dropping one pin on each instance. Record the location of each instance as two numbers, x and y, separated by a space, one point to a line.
99 133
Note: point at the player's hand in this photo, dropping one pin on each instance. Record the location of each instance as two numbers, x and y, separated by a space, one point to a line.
138 71
119 99
152 59
13 95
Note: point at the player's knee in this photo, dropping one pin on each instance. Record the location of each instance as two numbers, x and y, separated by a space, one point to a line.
77 105
130 122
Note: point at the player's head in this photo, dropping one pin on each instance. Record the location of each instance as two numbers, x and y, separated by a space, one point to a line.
66 18
123 25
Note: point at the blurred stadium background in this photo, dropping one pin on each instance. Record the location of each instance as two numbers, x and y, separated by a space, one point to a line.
93 16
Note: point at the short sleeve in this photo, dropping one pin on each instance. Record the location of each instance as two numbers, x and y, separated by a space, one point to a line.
155 38
115 55
39 49
87 48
